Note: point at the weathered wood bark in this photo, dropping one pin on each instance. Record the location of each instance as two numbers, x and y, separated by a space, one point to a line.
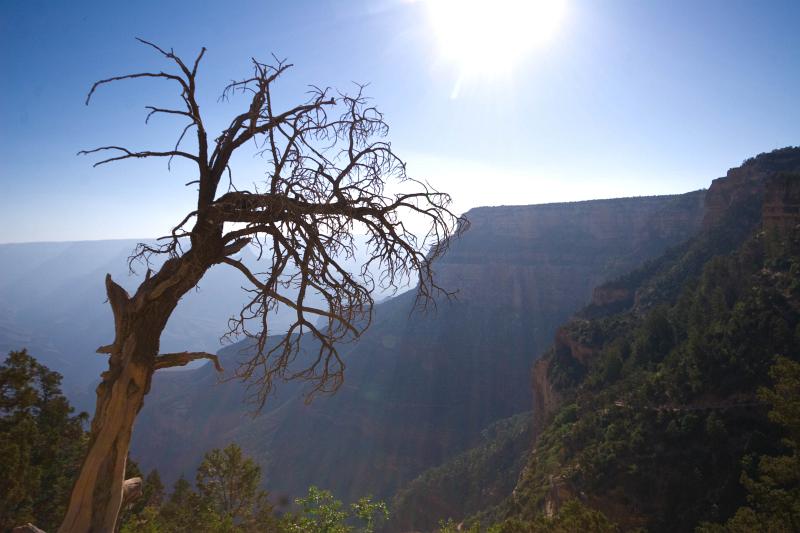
97 495
132 490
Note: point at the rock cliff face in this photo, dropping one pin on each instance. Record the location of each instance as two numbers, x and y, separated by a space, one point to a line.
747 180
545 396
535 254
566 345
610 294
781 208
419 388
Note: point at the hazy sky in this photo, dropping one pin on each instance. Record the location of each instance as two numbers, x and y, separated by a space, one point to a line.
625 98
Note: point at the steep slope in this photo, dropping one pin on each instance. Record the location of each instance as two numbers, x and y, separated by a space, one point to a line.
420 388
646 406
478 478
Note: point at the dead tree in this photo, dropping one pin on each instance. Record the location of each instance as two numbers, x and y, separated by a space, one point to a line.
327 167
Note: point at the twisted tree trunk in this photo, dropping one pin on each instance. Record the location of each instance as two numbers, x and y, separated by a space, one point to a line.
97 495
133 359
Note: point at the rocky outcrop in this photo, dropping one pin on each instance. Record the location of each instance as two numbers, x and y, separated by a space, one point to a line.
612 295
727 191
748 180
566 345
546 399
781 208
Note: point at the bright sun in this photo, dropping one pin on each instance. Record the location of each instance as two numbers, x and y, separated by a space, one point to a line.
490 37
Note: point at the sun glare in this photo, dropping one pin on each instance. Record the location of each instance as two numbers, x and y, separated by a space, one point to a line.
484 37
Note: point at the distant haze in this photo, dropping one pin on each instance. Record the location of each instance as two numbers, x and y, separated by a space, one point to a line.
52 301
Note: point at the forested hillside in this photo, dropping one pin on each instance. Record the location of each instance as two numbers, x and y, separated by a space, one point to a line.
664 415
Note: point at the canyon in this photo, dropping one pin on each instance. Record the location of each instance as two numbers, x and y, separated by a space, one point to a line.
420 386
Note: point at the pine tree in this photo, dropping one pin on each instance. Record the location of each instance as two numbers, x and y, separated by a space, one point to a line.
228 482
41 443
774 487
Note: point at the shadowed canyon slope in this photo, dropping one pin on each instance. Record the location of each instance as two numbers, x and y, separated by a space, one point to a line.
647 407
420 387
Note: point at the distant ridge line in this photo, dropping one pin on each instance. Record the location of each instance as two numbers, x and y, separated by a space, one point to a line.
76 241
596 200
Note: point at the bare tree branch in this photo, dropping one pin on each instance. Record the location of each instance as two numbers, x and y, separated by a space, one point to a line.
163 75
170 360
127 154
328 166
330 177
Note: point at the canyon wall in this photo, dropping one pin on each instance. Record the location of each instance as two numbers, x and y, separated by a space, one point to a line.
747 215
420 387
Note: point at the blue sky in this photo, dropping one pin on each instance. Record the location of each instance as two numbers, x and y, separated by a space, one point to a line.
627 98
